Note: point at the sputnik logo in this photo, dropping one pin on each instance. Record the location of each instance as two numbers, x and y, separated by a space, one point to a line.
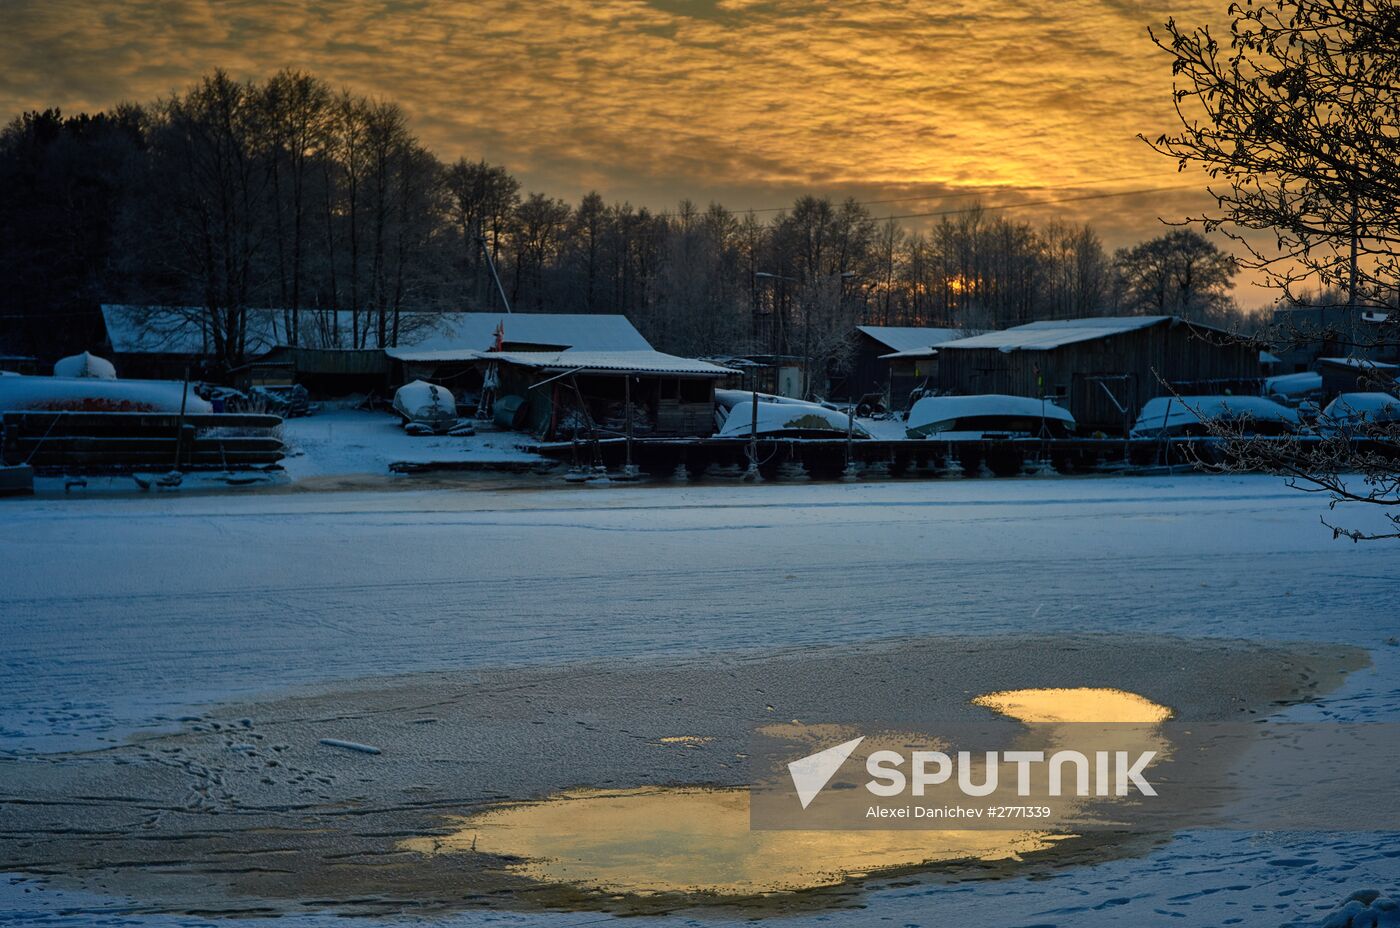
811 773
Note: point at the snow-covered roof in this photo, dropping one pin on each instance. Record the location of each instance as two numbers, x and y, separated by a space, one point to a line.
914 354
455 333
607 362
907 337
185 330
1049 334
1361 363
930 411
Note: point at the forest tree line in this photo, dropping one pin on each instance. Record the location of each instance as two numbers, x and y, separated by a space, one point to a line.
289 193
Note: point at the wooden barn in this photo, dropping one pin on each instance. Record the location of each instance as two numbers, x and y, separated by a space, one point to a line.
869 368
1103 369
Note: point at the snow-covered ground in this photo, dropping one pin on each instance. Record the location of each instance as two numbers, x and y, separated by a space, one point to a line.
127 613
338 441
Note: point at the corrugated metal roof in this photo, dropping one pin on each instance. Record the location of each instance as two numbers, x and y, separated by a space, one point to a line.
908 337
917 353
1049 334
631 362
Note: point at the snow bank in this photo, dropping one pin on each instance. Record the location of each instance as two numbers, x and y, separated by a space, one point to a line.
85 365
94 394
941 414
1175 414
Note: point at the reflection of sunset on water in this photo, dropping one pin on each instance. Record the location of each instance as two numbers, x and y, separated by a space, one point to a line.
660 839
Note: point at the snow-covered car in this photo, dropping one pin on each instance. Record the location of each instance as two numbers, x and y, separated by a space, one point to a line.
1354 413
1191 416
987 415
426 408
786 419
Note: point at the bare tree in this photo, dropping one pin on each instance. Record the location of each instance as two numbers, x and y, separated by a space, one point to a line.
298 111
206 199
1294 118
1181 273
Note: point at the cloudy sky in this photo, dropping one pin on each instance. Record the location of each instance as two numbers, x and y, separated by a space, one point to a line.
749 102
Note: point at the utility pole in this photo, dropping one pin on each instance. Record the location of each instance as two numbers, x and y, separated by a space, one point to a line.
491 265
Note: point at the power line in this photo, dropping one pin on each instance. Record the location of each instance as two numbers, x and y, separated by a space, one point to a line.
1089 196
981 191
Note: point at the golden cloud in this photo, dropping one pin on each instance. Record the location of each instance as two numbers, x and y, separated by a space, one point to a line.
746 101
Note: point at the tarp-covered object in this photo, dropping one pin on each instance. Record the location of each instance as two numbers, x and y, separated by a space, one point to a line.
794 420
85 365
1357 410
973 416
1294 387
92 394
1185 415
728 399
423 403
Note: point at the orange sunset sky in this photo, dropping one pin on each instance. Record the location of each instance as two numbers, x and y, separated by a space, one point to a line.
748 102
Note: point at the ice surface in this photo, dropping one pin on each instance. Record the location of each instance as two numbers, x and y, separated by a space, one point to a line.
122 614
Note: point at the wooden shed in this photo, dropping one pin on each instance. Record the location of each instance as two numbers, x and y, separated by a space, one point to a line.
581 393
869 369
1103 369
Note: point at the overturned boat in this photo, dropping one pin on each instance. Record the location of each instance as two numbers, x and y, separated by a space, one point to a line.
1359 413
780 417
986 416
1193 416
19 393
426 408
85 365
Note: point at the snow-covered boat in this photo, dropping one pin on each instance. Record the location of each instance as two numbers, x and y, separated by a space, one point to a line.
988 415
1352 413
728 399
85 365
426 407
786 419
96 394
1178 416
1292 389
